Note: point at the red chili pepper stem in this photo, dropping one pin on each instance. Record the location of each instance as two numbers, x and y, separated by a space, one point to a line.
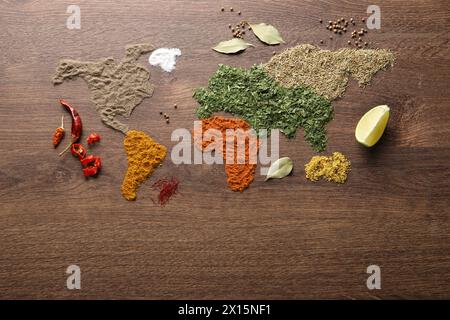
66 149
62 122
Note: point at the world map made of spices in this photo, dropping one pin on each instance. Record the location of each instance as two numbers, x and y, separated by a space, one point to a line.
116 89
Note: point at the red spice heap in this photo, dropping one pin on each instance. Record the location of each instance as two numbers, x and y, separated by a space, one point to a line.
167 188
239 175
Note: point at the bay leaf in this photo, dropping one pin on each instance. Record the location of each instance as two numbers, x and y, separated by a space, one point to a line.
267 33
232 46
280 168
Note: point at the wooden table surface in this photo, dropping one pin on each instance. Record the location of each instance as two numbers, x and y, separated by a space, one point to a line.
284 239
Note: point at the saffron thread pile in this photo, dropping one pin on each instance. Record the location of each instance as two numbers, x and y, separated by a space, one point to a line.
167 189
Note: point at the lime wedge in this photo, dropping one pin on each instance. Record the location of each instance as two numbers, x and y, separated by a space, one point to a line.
371 126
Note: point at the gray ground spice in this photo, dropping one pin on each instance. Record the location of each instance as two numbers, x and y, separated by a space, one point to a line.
327 72
116 89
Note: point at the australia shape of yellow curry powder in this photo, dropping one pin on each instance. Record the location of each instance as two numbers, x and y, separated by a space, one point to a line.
333 168
144 155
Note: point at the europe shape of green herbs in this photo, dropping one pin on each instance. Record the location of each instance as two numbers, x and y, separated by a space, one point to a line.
255 97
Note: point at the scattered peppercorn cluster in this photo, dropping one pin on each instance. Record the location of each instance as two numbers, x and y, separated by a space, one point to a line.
166 116
341 26
238 31
231 10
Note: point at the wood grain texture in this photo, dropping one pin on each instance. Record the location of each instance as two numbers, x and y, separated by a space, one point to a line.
286 239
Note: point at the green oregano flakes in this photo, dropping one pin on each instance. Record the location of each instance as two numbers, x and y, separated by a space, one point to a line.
255 97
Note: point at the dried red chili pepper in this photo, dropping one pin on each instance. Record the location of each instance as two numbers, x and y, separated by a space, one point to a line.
58 135
77 126
78 151
93 137
91 165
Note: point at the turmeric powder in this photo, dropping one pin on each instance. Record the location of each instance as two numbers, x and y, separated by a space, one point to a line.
144 155
239 175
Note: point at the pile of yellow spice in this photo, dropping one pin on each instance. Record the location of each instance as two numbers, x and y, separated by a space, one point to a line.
334 168
144 155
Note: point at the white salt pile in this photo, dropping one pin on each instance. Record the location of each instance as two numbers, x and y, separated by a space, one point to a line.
165 58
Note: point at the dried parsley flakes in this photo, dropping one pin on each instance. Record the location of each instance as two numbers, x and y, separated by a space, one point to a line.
255 97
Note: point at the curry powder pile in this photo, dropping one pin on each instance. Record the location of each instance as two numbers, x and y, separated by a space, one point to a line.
144 155
239 175
333 168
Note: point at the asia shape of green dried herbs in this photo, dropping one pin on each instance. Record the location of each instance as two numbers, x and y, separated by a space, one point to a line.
255 97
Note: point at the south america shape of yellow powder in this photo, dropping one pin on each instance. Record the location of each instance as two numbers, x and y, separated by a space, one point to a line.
144 155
